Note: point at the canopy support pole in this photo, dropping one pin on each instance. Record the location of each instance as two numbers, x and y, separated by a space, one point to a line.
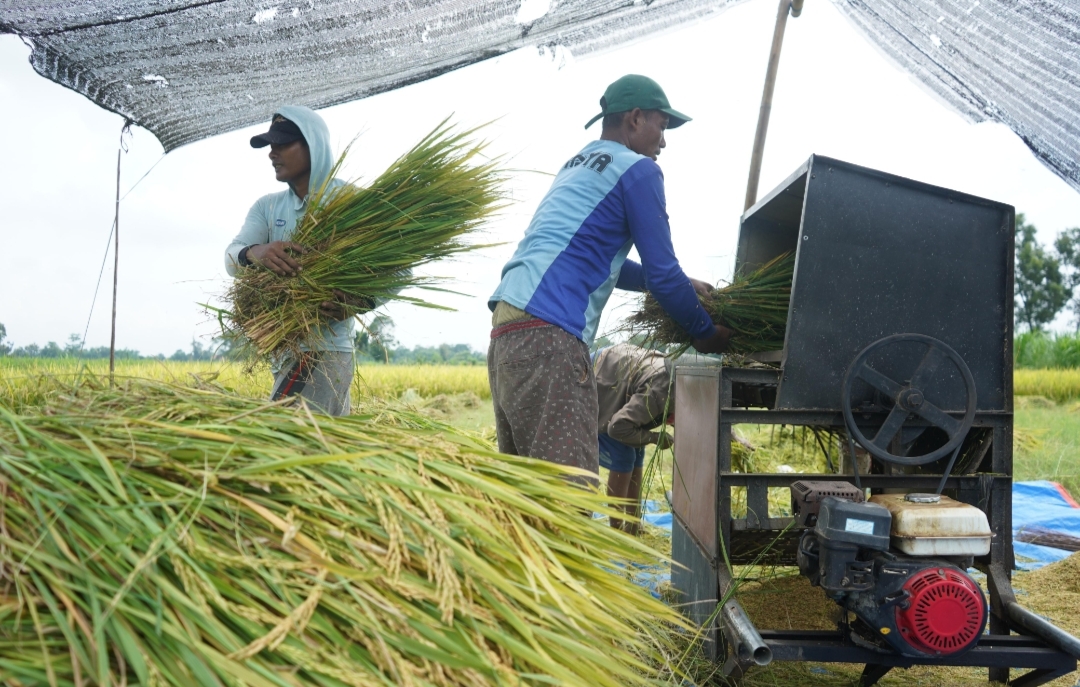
795 6
116 254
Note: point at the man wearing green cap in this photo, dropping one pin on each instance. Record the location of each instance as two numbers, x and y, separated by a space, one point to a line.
605 200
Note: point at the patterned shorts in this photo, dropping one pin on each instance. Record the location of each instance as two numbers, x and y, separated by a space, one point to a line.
323 379
544 393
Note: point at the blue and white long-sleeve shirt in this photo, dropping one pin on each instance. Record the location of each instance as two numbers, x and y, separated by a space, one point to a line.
604 200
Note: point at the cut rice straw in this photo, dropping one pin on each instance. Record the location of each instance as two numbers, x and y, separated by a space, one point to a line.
367 243
161 535
754 305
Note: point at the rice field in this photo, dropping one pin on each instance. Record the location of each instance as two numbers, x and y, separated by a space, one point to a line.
28 380
1059 385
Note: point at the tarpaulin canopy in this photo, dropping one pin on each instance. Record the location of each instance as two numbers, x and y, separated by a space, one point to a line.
188 69
1012 61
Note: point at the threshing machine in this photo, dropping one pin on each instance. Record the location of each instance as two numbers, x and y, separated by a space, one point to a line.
899 343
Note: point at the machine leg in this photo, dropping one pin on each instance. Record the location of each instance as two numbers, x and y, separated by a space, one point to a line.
872 673
1000 588
1039 676
999 627
733 671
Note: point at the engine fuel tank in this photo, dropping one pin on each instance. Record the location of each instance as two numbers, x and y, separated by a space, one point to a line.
931 525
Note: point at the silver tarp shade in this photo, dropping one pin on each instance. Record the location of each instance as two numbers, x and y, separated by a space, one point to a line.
187 70
1012 61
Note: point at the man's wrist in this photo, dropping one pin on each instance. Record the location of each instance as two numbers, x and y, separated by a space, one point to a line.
243 258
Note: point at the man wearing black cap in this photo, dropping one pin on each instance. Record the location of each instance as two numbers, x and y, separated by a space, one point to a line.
301 156
605 200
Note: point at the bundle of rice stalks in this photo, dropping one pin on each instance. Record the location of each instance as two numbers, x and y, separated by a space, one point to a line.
159 535
754 305
368 241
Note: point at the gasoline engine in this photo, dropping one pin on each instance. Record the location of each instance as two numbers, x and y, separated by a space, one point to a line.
897 563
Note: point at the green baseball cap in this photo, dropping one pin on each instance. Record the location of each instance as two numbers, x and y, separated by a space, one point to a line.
634 90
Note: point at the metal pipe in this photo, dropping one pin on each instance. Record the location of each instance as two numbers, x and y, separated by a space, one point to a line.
738 629
766 97
1044 630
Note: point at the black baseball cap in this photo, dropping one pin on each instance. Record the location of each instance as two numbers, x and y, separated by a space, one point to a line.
281 131
634 90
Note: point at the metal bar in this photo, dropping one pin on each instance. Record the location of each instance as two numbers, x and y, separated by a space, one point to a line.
1039 676
1008 641
873 672
831 647
774 524
752 375
1043 629
747 644
739 631
828 418
999 511
766 104
785 479
1000 591
757 504
723 490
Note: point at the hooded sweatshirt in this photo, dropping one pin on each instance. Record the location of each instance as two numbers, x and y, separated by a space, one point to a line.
274 216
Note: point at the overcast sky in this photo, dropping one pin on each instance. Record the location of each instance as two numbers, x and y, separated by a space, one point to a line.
836 95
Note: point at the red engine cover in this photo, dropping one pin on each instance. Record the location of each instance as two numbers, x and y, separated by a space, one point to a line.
945 614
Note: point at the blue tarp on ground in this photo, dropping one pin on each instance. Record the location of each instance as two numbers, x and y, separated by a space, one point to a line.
1041 504
1048 506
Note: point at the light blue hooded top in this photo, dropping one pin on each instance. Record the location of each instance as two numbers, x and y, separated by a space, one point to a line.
274 216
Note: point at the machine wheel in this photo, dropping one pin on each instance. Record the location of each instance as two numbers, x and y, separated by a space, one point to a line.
909 399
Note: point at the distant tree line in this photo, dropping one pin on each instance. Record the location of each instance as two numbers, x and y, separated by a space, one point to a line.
1047 277
375 343
72 349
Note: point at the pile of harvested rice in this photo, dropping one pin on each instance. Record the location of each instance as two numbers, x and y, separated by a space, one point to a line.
754 306
1053 591
367 242
159 535
782 599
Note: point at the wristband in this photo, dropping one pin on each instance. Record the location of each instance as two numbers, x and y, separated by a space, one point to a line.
242 258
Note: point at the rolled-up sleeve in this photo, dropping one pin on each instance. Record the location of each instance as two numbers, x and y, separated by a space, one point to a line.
646 409
256 229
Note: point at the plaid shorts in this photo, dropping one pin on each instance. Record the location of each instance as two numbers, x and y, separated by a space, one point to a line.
544 393
323 379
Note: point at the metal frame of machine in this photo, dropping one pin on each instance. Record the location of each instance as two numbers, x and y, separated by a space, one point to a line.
805 391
